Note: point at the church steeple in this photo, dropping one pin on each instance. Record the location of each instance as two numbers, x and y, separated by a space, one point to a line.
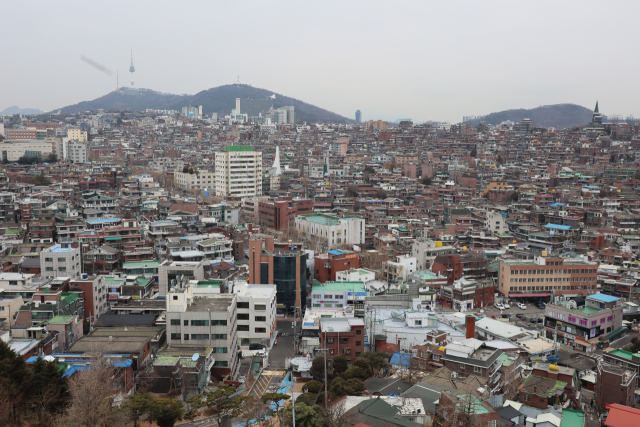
596 110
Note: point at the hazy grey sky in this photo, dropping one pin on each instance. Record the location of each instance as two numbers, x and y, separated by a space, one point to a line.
423 60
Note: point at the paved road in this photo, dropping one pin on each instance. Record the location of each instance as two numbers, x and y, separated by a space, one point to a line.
266 384
285 347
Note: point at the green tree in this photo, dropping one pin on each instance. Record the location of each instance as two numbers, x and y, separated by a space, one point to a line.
49 386
340 364
426 180
355 386
185 169
380 194
41 180
377 359
313 386
356 372
339 387
317 368
474 153
369 169
15 381
278 400
167 411
136 405
225 406
514 196
193 404
28 160
86 327
363 364
306 416
500 160
308 399
51 158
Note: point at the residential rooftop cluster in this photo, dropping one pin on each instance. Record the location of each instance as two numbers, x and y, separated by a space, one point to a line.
178 245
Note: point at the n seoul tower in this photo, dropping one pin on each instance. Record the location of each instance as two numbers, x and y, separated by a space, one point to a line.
132 69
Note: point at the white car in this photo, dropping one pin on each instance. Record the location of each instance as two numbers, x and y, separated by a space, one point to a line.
506 306
242 379
522 306
499 306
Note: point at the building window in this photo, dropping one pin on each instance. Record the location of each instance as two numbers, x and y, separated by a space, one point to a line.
199 336
358 331
261 330
219 349
219 336
186 337
260 318
185 323
219 323
243 316
199 323
175 336
175 322
259 307
477 369
358 343
243 328
329 340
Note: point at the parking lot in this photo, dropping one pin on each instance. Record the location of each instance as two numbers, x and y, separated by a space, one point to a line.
528 313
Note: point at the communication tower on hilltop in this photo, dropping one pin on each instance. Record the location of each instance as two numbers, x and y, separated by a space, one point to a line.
132 69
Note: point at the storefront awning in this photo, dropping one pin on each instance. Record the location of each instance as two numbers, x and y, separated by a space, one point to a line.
617 332
542 294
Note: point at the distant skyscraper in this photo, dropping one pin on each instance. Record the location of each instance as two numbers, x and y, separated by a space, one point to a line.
358 116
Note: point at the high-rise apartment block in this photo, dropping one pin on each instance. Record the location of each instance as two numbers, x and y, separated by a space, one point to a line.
358 116
238 172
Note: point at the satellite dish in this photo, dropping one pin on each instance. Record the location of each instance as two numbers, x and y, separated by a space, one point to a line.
195 357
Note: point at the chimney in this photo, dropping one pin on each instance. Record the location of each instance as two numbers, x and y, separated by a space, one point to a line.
470 324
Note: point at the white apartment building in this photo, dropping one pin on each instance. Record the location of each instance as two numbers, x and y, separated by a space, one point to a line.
238 172
61 261
496 222
12 150
165 164
256 313
77 134
336 231
205 321
198 180
76 151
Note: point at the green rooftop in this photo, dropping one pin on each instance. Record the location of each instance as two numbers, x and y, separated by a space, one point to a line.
572 418
141 264
60 320
209 283
322 219
232 148
559 385
426 275
588 310
475 404
339 287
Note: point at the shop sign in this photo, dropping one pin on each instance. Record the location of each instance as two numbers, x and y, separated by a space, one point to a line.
592 332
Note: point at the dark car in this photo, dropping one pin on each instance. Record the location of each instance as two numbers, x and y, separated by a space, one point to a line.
521 316
541 305
533 320
256 347
506 316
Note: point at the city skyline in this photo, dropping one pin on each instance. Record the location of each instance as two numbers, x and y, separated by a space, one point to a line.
453 66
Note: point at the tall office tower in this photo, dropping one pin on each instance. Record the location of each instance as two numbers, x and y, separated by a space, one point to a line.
239 172
358 116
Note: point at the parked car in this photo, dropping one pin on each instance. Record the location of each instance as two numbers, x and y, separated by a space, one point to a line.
533 320
506 306
256 346
521 316
261 353
499 306
506 316
242 379
522 306
541 305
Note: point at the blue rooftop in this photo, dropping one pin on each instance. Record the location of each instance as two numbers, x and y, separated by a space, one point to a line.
336 252
403 359
557 204
102 220
60 250
558 227
603 297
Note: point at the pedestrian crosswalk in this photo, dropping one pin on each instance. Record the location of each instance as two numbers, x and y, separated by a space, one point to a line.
274 373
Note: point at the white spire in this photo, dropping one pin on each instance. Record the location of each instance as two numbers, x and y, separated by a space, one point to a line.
276 170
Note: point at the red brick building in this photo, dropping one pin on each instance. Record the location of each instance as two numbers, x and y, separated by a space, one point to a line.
279 213
344 335
327 265
614 385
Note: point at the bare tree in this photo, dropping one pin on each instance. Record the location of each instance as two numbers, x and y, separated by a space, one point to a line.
255 413
335 415
92 398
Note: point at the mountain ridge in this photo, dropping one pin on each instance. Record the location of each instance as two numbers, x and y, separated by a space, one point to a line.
559 116
220 100
14 109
